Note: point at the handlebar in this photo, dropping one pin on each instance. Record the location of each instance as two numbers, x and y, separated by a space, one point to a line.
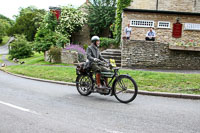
106 64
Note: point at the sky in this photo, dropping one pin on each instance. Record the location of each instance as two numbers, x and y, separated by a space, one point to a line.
9 8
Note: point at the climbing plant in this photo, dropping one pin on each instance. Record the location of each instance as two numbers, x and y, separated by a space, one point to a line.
121 4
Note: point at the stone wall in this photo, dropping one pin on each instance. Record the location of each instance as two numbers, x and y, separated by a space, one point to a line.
167 5
68 57
145 54
163 35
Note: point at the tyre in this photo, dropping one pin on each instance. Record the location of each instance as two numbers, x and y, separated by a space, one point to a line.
125 89
84 84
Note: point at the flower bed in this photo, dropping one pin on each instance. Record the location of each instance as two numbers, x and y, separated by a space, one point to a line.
190 46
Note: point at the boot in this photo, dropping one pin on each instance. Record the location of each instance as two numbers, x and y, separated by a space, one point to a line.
98 77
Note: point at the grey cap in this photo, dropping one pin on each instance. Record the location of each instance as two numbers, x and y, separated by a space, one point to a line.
95 38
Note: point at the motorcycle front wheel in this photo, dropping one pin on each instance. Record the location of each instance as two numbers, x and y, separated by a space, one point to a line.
84 84
125 89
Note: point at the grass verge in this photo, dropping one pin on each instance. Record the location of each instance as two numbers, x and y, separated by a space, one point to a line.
149 81
1 59
38 59
44 72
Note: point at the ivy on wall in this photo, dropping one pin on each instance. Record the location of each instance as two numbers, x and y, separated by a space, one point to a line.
121 4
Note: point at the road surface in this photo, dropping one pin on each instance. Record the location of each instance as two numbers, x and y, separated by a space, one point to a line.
28 106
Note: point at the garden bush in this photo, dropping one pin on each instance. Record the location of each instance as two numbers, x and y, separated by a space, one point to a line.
55 54
108 42
20 48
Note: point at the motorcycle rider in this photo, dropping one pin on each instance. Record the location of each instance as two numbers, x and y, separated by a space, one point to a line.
94 56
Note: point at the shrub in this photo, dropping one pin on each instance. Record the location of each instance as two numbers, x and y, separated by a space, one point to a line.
61 40
107 42
55 54
44 40
71 20
20 48
85 46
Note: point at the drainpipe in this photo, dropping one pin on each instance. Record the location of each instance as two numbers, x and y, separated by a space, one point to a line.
157 5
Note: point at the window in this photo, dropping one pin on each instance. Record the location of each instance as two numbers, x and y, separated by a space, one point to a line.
192 26
142 23
163 24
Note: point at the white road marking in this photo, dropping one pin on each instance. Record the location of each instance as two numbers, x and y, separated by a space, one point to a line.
19 108
111 131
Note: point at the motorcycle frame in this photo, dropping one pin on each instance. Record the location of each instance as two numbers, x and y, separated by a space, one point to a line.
113 78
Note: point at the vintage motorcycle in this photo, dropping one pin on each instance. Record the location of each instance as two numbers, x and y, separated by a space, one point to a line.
123 87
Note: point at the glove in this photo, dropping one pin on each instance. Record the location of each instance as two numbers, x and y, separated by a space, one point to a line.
96 60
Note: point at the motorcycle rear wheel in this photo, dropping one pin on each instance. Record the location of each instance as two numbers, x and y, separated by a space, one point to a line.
84 84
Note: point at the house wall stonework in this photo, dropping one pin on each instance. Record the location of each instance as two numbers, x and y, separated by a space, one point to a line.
144 54
162 35
167 5
82 37
143 4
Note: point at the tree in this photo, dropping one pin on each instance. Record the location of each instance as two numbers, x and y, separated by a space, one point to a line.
52 33
3 27
5 24
101 15
71 20
46 35
27 22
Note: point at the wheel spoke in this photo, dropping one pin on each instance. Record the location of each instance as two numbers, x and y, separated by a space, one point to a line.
119 91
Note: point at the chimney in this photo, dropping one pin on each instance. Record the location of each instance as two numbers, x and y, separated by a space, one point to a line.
87 1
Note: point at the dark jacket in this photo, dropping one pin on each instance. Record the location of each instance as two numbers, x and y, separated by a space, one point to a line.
93 52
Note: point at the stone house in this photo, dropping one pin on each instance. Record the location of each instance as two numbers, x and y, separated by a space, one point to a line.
83 36
161 15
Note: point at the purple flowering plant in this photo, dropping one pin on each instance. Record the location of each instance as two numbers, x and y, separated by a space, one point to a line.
75 47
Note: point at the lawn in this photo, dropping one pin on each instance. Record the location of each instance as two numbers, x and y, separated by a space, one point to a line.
1 59
38 59
45 72
150 81
5 40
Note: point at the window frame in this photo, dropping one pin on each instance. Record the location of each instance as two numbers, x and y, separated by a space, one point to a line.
192 26
142 22
169 24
